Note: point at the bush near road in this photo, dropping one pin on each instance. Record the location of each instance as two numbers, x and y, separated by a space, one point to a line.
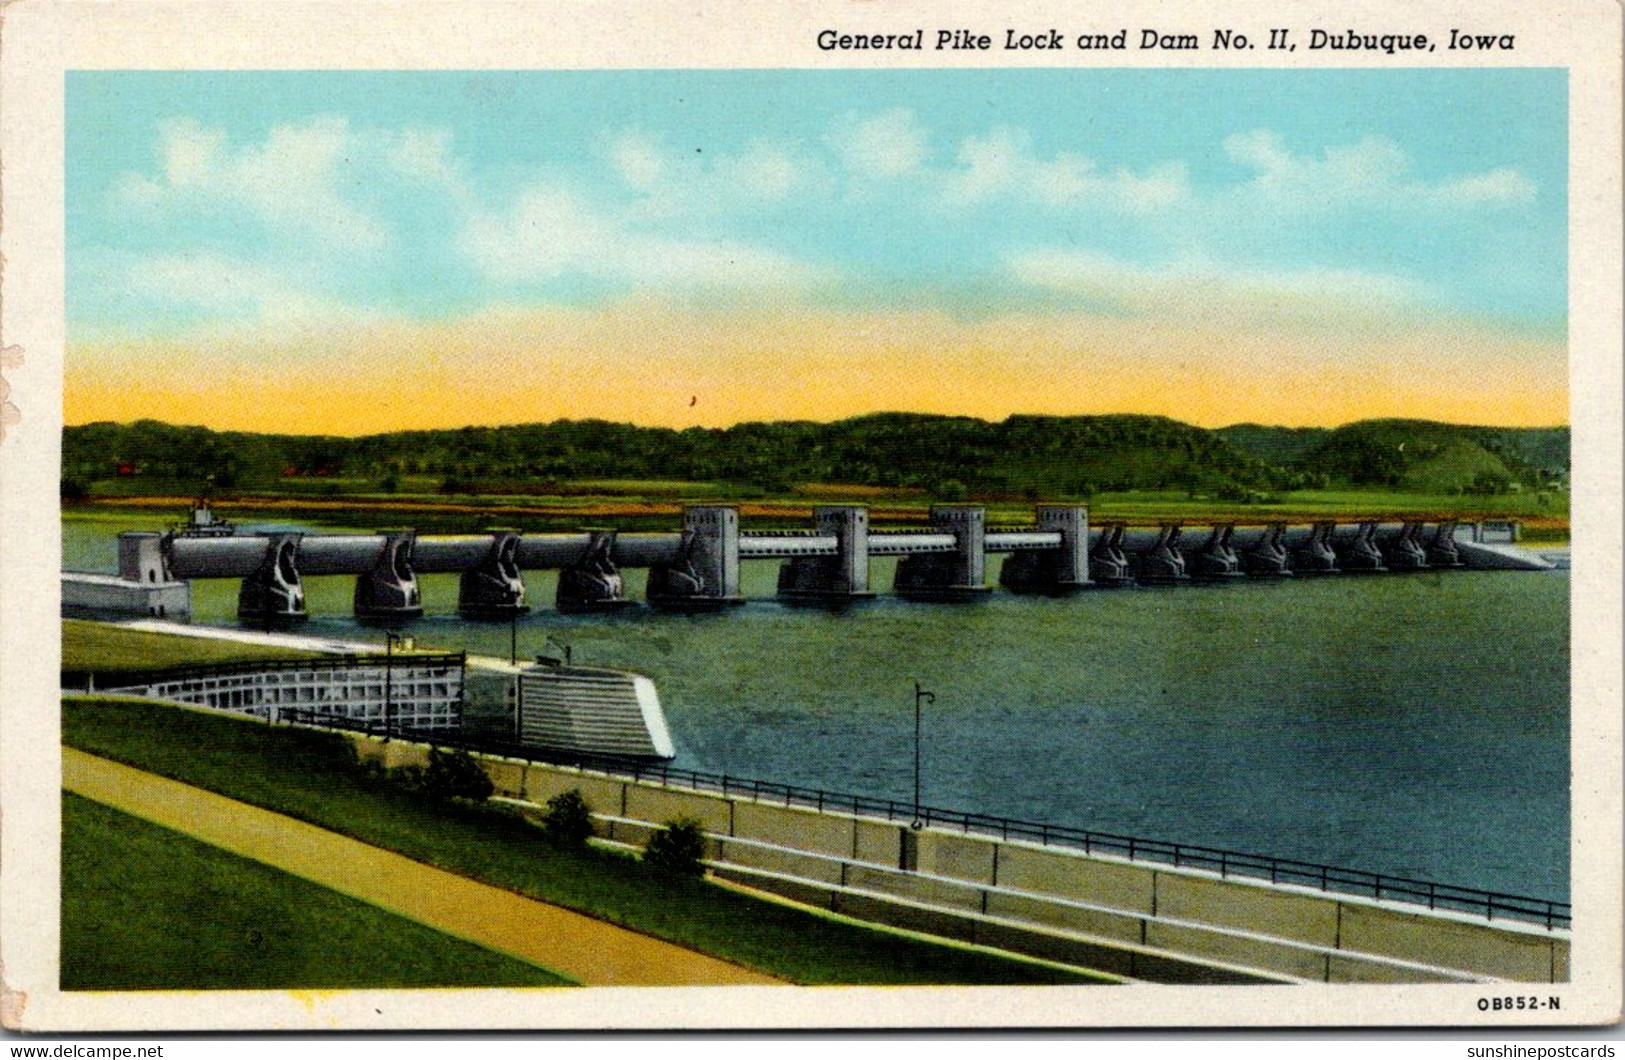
676 851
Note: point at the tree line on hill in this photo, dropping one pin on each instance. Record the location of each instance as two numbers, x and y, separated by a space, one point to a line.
946 457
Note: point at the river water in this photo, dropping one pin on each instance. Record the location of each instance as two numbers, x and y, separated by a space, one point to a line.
1407 724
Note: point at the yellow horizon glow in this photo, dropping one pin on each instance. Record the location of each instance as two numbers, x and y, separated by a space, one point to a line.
645 364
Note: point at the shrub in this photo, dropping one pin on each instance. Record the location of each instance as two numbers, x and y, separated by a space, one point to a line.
372 774
407 778
568 821
455 775
675 851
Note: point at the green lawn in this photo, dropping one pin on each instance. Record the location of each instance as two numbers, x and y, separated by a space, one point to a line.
145 908
107 650
104 649
311 775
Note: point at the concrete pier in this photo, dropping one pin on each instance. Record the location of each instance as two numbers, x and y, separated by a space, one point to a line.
1164 563
390 589
494 588
705 574
1215 558
1108 563
836 579
1315 555
592 583
1267 557
1357 551
273 592
1053 571
959 574
1403 552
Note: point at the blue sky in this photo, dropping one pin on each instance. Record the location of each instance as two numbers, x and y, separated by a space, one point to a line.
203 204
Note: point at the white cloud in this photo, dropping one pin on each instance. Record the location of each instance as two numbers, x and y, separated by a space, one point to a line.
1198 288
648 211
296 179
548 233
426 155
191 157
990 165
191 153
695 184
639 158
1371 171
1504 185
1003 164
763 171
231 288
552 233
891 144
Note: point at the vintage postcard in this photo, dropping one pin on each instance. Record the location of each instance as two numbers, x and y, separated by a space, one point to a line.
822 515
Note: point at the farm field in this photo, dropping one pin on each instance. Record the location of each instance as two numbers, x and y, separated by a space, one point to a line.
1545 516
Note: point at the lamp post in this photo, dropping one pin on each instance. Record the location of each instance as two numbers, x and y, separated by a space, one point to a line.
920 696
390 639
513 637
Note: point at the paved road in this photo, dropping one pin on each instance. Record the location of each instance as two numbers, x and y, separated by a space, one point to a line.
590 951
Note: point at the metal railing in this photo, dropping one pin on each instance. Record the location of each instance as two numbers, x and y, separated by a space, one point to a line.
114 679
1226 863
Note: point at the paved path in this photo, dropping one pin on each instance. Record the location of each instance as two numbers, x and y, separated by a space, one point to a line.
590 951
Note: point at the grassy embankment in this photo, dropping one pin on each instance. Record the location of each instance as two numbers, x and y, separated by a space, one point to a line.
103 648
107 650
145 908
312 776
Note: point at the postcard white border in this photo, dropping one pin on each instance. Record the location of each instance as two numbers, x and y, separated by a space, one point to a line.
40 40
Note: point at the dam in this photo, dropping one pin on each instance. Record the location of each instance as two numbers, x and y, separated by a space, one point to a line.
697 568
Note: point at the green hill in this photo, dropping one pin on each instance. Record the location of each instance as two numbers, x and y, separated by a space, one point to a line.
1283 446
1417 455
946 457
1454 466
